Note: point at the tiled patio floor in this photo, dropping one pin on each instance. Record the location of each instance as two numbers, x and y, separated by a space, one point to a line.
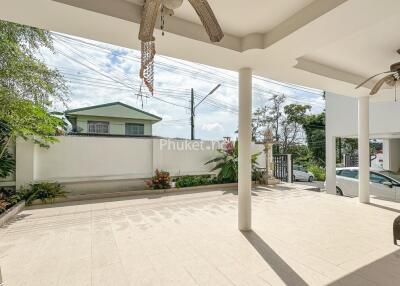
299 238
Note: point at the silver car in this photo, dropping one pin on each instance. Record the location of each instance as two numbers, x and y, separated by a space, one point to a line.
301 174
383 184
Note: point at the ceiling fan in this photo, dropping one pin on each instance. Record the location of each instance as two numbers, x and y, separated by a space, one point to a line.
390 80
151 10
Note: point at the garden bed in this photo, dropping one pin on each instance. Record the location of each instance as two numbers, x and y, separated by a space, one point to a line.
133 193
11 212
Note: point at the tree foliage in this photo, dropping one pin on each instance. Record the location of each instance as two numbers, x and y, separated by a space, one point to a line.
7 161
314 128
284 120
27 86
22 74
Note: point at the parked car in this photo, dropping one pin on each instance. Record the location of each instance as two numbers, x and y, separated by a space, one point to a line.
383 184
301 174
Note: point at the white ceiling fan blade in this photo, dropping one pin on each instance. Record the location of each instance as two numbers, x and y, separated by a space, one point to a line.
148 21
208 19
380 83
368 79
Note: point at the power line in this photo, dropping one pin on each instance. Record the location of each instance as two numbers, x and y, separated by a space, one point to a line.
195 74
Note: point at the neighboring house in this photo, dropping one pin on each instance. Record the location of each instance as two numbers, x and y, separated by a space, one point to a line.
114 118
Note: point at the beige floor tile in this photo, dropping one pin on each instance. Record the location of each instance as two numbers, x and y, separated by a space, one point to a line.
299 238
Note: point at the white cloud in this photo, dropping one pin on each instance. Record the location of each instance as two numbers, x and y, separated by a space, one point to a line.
104 73
212 127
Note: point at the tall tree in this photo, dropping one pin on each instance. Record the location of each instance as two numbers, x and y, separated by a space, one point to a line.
314 128
275 112
260 121
294 115
284 120
27 86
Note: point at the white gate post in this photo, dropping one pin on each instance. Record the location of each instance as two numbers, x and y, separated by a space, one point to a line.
289 168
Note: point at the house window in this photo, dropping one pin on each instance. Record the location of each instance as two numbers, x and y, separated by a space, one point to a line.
134 129
98 127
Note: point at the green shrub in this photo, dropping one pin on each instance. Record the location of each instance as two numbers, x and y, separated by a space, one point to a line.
46 192
319 172
161 180
192 181
3 205
7 164
8 198
200 180
228 162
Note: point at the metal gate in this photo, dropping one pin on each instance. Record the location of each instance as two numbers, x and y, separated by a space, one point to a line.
283 167
352 160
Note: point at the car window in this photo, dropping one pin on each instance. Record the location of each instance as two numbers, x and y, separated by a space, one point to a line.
353 174
378 179
391 175
338 172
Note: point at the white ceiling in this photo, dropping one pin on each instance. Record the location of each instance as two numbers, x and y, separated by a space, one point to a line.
326 44
241 18
369 51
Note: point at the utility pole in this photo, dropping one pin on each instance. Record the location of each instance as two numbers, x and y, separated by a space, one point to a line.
193 108
192 115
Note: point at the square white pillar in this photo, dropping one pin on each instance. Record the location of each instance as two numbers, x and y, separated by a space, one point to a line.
363 149
245 114
330 164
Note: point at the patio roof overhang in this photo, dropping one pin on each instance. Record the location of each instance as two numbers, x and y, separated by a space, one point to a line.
330 45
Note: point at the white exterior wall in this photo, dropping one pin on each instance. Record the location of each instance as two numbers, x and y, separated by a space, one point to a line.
341 117
76 159
82 157
342 121
391 154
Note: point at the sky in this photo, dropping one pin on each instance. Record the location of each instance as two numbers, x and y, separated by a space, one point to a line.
98 73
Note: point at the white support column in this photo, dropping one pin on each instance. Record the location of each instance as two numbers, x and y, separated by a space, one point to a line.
363 149
330 164
245 99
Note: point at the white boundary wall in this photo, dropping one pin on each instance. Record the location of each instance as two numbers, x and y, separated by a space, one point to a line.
96 162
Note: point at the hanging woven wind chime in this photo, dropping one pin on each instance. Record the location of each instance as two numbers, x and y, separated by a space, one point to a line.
151 10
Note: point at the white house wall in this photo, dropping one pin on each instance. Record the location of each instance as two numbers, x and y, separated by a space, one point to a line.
341 117
342 121
391 154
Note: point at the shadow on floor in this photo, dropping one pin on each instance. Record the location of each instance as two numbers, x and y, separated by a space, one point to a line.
384 271
385 208
235 192
282 188
280 267
15 219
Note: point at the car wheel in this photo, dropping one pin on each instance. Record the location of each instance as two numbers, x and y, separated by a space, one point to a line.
310 179
339 192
